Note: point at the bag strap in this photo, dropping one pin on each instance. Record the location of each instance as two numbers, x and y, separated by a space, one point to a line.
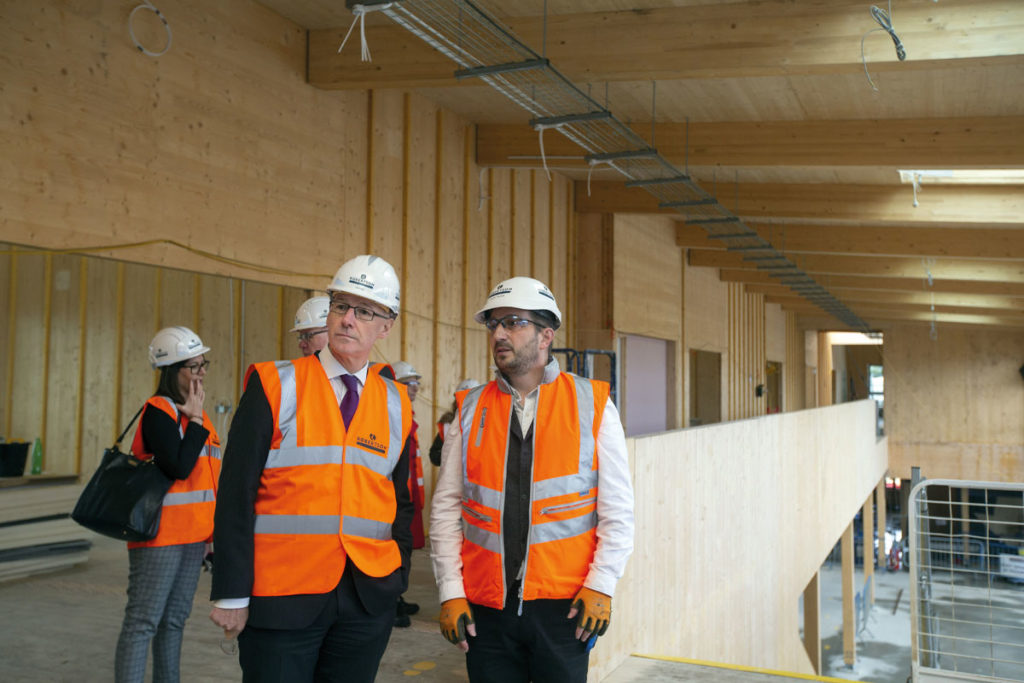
118 442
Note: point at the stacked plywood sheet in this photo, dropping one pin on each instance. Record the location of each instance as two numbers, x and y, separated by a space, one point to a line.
36 530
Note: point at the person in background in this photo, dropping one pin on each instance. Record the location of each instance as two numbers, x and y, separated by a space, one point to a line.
312 522
445 420
406 374
178 434
311 324
532 518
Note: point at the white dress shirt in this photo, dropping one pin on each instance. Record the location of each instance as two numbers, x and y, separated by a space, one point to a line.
614 503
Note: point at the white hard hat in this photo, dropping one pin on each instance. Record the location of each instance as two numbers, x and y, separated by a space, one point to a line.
467 384
312 314
521 292
404 371
175 344
370 277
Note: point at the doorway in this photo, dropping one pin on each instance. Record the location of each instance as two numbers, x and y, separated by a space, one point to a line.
705 387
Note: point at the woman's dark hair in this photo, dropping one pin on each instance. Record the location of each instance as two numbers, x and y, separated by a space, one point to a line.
168 385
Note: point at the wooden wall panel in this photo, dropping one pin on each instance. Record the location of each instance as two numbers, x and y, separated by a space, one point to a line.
797 479
521 191
101 363
218 314
476 249
139 324
500 225
28 352
260 323
648 292
560 206
64 354
954 405
540 211
774 333
793 370
746 359
8 296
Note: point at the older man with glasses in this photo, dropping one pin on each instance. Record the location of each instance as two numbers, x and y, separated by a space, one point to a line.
532 518
312 522
311 324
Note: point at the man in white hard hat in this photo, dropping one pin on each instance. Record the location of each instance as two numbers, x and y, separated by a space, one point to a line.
406 374
311 324
532 519
312 521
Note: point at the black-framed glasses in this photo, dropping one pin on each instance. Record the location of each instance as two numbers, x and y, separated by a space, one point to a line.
196 368
360 312
308 336
509 322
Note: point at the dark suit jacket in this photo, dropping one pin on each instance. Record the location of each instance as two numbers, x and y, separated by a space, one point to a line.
247 448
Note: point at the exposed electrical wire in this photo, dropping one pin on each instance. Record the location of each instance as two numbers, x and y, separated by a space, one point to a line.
360 12
147 5
884 20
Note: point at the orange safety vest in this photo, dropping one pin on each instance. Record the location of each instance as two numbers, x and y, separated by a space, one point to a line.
326 492
187 512
563 525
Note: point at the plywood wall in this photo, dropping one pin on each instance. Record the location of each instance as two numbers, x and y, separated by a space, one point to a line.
955 405
745 365
222 147
794 366
75 353
647 298
796 480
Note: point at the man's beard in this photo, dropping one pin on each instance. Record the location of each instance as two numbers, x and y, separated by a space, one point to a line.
522 360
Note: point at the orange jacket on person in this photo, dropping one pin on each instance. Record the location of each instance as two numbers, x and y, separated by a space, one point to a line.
563 523
301 537
187 512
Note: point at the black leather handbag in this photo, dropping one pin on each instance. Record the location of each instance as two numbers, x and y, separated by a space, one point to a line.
124 498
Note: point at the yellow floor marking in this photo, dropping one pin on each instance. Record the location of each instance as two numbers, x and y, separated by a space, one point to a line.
752 669
424 666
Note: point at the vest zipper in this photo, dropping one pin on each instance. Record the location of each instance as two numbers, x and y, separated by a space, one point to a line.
565 507
473 513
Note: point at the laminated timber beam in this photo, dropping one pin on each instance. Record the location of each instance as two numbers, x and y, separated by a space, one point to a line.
868 310
984 243
716 40
913 283
854 297
885 266
975 142
819 202
877 319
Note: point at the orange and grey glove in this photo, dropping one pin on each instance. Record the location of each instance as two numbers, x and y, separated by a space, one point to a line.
456 617
593 611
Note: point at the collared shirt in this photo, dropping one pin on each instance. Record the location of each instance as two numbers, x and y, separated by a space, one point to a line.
614 502
334 370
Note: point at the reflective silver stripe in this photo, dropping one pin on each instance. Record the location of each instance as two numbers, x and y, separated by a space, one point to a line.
488 540
186 497
566 528
297 524
468 411
354 455
303 455
570 483
215 452
288 405
585 408
479 493
394 428
367 528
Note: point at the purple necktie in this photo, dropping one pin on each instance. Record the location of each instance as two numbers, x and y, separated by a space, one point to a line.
351 399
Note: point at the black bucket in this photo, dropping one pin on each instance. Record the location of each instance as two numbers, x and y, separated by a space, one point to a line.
12 458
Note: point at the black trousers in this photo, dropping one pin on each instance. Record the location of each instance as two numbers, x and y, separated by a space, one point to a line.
344 643
539 646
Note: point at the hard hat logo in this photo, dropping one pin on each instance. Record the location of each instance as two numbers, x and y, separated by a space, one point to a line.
524 293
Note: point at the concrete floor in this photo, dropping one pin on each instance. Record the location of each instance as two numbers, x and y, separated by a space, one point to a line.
63 626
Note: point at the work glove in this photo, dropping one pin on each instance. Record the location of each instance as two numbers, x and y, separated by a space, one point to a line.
456 617
593 611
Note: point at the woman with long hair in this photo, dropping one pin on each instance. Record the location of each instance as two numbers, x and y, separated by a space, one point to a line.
163 573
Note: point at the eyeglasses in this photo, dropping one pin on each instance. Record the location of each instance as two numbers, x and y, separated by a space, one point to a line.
308 336
360 312
509 322
196 368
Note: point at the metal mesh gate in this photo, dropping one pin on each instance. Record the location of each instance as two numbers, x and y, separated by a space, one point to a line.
967 580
